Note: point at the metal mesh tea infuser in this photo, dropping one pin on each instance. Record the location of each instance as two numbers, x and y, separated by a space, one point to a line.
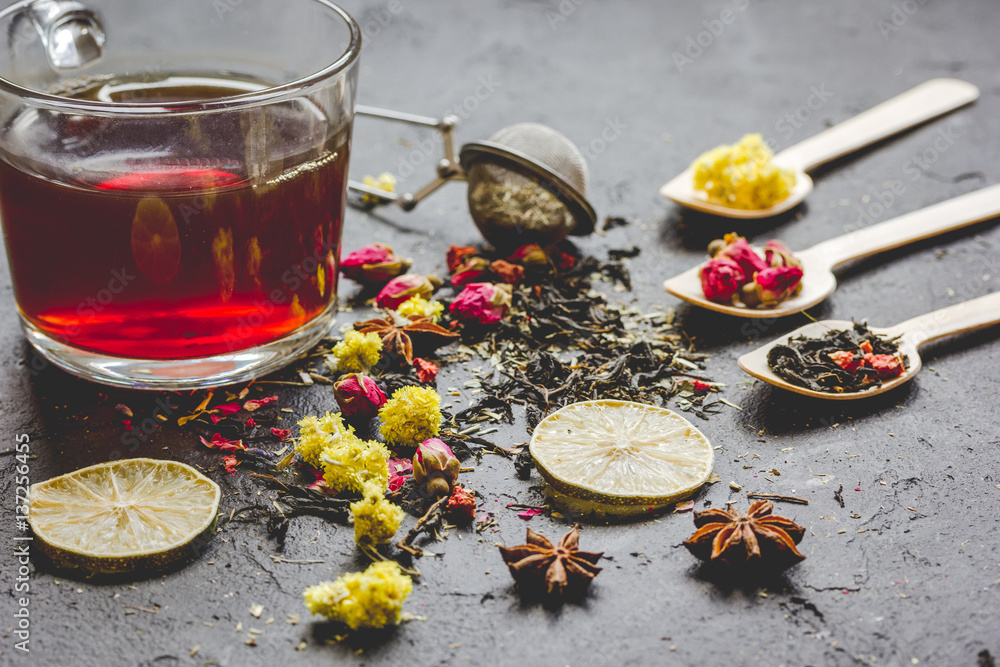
527 182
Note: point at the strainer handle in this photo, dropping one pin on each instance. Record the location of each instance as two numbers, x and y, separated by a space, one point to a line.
448 168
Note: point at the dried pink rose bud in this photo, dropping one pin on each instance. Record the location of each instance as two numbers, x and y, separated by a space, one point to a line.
375 264
777 253
435 467
777 284
740 252
471 268
402 288
531 254
358 396
484 303
721 278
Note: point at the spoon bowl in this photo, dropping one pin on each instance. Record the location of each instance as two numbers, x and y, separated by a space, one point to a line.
911 335
918 105
681 190
819 261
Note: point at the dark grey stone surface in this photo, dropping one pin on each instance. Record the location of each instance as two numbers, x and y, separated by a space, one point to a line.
907 573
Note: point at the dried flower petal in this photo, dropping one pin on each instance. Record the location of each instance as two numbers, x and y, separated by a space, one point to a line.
412 415
457 254
512 274
403 287
252 405
738 250
461 505
358 396
777 284
374 264
222 444
426 371
471 269
435 467
484 303
720 279
777 254
370 599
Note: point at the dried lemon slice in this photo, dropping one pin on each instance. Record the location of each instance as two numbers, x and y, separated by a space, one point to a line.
621 457
133 514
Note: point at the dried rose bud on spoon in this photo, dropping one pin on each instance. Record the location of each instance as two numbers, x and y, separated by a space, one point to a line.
818 262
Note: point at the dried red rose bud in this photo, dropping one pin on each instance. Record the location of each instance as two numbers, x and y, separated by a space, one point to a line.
461 505
529 255
512 274
426 371
375 264
887 365
358 396
740 252
777 283
402 288
721 279
471 269
565 261
846 360
435 467
484 303
777 254
457 254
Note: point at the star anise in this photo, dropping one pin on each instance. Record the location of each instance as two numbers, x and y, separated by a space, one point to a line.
729 537
402 335
561 569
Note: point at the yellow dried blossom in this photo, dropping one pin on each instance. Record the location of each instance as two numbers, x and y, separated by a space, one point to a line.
370 599
415 306
357 352
742 175
376 519
318 433
385 181
351 463
412 415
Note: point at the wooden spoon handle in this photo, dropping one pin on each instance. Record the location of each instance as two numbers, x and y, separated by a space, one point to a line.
962 317
915 106
943 217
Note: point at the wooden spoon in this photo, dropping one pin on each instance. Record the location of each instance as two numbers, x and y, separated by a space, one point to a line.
818 262
915 106
966 316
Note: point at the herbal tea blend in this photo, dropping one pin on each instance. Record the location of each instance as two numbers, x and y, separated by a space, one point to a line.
737 274
841 361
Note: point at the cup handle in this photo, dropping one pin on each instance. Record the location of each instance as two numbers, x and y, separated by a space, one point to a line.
71 34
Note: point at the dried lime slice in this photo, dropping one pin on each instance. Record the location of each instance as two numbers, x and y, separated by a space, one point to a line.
621 457
133 514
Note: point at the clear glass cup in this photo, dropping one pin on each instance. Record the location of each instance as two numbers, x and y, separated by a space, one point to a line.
172 182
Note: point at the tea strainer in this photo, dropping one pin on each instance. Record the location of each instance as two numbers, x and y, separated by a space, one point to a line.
527 182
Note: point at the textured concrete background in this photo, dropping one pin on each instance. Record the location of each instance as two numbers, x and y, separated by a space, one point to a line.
906 573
